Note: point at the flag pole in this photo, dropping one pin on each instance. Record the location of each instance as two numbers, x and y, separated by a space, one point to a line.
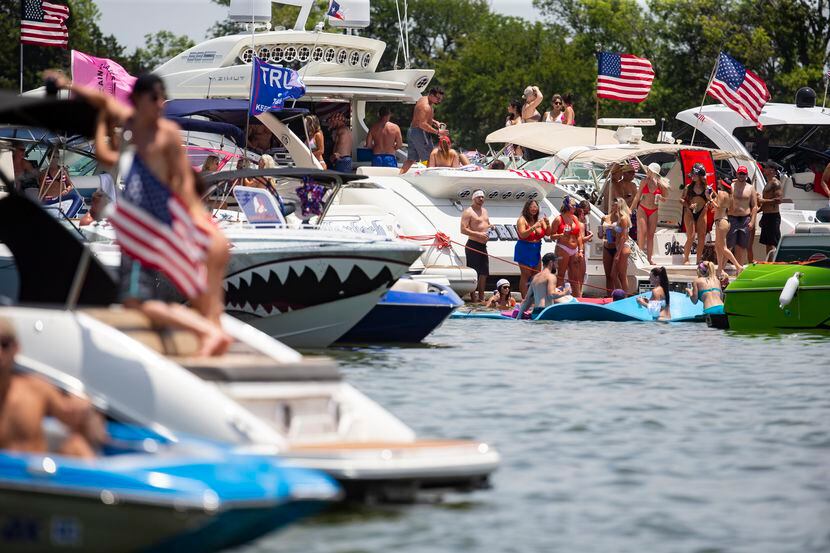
703 101
250 85
597 50
826 82
21 67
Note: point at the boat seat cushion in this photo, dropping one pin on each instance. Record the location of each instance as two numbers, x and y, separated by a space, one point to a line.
164 340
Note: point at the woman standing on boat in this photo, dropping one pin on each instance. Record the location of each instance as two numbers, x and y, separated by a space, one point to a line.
706 288
580 264
316 142
659 303
616 251
567 231
557 110
533 99
570 116
645 204
721 204
528 250
697 197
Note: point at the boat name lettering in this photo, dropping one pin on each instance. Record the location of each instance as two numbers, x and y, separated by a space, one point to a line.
201 57
361 227
229 78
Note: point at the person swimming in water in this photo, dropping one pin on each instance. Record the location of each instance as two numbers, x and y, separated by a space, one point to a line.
501 298
659 302
707 288
543 291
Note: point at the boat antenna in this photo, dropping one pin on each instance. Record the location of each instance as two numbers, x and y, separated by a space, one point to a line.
826 82
250 89
403 31
598 51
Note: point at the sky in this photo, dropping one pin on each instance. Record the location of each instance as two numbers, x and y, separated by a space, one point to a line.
130 20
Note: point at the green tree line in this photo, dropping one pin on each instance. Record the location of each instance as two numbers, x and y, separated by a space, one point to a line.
485 59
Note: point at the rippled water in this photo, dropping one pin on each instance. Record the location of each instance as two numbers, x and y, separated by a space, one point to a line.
614 438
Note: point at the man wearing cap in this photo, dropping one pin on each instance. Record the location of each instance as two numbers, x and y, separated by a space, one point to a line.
768 202
418 142
542 290
741 215
475 223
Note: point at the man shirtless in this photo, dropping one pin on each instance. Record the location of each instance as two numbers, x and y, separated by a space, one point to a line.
419 143
623 186
26 399
741 216
542 290
159 155
342 136
384 139
475 223
768 203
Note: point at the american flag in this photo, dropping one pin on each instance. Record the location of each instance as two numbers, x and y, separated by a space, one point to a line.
335 11
545 176
154 227
44 23
738 88
635 163
624 77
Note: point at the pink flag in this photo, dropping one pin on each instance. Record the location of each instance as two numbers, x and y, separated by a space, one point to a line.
102 74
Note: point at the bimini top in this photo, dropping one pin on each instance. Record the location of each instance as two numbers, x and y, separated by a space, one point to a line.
772 114
549 138
606 155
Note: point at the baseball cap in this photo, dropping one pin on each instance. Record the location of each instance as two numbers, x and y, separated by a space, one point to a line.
742 169
698 169
478 193
502 282
445 138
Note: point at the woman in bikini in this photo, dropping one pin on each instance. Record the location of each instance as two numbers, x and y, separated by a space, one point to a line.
697 198
501 298
615 250
570 116
579 267
645 204
706 288
316 142
557 110
658 303
567 232
533 99
721 203
444 155
528 251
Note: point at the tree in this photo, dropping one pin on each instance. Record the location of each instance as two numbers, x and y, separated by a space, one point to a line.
84 35
281 16
161 46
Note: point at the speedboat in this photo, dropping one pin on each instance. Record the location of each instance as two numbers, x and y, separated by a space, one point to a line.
795 135
408 312
147 493
262 394
791 292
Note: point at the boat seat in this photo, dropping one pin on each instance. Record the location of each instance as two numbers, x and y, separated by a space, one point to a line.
408 285
240 364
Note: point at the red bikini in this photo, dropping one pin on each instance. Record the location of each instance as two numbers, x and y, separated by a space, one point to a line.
645 192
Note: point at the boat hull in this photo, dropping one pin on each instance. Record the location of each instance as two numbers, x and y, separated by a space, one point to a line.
752 300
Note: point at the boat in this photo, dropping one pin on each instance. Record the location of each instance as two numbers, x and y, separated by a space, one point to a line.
791 292
262 395
796 135
146 492
407 313
625 310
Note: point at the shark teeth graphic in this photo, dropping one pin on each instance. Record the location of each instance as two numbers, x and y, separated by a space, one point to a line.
271 290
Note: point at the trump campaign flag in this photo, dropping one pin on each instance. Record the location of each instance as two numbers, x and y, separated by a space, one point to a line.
102 74
738 88
623 77
272 85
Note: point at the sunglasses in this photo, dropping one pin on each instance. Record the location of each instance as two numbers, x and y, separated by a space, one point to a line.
557 103
6 342
505 286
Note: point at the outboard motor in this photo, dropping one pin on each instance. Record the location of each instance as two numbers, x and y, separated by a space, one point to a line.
805 97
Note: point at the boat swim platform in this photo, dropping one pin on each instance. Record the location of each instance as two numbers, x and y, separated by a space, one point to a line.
241 363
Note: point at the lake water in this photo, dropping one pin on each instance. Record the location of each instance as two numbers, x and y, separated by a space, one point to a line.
614 437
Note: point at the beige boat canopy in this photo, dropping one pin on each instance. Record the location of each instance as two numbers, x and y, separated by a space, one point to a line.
549 138
607 156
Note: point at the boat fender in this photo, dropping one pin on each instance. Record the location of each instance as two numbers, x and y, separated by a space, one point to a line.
790 288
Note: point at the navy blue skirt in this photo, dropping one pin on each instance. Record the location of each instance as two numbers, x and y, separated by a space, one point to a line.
528 253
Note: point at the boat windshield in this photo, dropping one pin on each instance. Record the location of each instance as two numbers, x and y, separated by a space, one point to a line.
797 147
805 247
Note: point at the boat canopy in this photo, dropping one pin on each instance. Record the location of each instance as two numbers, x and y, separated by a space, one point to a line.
771 114
622 152
549 138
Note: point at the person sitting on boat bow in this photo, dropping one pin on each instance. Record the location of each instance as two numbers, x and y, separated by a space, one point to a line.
542 291
25 400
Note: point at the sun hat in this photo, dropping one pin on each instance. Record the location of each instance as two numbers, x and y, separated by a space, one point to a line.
478 193
654 168
502 282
